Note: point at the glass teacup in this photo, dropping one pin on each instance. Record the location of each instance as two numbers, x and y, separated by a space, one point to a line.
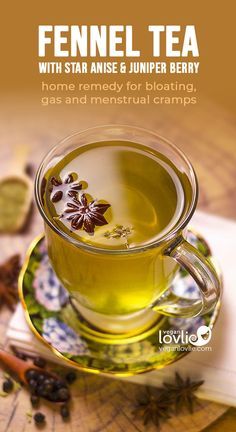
121 288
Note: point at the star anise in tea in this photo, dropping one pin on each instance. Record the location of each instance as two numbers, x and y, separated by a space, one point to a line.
181 392
84 214
68 187
9 272
152 407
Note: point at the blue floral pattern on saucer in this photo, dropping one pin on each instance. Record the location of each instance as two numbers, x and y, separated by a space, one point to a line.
63 338
48 290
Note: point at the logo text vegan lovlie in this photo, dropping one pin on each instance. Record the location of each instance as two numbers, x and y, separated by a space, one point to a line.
115 41
183 337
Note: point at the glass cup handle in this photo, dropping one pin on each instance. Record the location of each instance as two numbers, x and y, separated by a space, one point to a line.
202 272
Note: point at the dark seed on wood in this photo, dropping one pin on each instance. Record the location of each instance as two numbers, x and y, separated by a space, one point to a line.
34 401
39 418
71 377
65 412
7 385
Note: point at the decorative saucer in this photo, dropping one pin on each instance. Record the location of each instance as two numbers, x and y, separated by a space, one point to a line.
53 319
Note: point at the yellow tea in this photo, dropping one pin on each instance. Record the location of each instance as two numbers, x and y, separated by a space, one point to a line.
113 196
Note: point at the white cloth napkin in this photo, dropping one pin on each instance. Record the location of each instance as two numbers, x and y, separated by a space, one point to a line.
216 367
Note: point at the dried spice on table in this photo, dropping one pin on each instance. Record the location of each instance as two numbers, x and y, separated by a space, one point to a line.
52 385
158 405
9 272
181 392
152 407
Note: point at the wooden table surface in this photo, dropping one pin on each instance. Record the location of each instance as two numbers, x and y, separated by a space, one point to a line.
207 134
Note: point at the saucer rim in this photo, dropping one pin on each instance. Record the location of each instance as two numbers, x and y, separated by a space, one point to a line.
93 370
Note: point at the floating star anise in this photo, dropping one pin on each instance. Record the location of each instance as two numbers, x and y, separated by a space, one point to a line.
68 187
181 392
152 407
85 215
9 272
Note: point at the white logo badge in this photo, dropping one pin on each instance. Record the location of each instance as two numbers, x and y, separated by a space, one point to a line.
199 340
